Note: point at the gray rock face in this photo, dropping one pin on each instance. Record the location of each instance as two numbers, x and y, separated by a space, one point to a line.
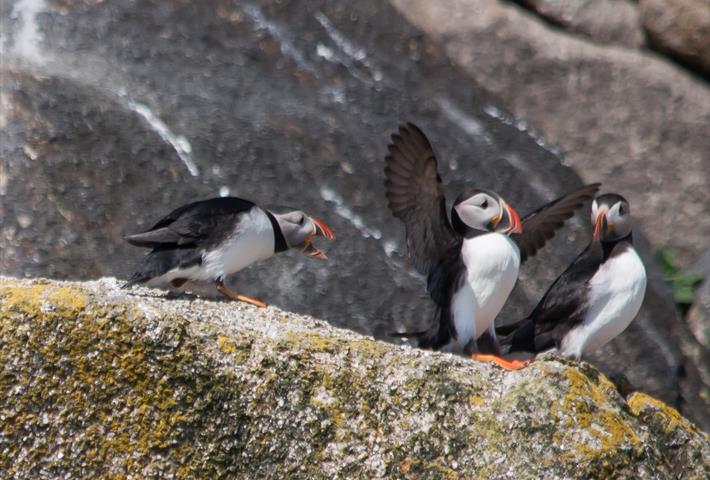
681 28
607 21
98 382
115 113
628 118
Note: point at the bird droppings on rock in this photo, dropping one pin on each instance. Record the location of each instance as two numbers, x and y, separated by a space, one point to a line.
99 381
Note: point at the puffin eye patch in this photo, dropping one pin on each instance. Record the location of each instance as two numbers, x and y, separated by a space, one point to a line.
621 209
484 205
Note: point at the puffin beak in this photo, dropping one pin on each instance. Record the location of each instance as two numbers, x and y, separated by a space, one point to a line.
312 251
599 222
322 230
516 226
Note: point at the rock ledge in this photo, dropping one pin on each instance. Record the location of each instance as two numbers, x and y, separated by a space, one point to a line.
98 382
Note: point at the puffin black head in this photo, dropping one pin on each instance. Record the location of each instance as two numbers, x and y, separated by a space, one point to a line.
476 211
611 217
298 230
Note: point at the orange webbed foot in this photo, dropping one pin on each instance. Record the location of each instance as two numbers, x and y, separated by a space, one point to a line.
501 362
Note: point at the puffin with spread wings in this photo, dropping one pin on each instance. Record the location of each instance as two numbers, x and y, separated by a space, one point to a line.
472 261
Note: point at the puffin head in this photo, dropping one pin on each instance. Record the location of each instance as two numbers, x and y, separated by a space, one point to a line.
478 210
611 217
298 230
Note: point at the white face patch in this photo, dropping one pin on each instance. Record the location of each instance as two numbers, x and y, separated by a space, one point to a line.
478 211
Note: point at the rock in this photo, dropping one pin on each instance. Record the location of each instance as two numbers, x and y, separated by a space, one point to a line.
281 103
680 28
607 21
627 118
99 382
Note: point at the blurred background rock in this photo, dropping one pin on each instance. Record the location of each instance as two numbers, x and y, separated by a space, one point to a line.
112 113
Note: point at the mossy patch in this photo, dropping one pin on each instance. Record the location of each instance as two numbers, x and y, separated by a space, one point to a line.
99 388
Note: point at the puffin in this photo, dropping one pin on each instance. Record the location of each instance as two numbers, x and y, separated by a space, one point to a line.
210 239
471 262
595 298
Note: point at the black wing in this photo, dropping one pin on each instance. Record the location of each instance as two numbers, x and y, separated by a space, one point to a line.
206 221
541 225
415 195
562 307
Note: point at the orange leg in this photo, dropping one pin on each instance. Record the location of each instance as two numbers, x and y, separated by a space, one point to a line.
500 361
228 292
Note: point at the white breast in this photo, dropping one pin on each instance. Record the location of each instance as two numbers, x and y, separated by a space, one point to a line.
251 241
615 297
492 262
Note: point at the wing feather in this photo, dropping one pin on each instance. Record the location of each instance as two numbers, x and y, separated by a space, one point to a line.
542 224
415 195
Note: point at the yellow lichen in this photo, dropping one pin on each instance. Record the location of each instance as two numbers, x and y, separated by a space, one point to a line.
586 407
667 416
226 344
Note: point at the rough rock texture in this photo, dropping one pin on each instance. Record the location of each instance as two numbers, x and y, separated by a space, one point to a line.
630 118
114 113
680 28
608 21
98 382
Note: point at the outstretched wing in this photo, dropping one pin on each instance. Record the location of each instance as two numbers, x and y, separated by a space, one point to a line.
193 223
541 225
415 195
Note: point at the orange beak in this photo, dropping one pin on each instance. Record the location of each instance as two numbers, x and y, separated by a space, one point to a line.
599 222
322 230
516 226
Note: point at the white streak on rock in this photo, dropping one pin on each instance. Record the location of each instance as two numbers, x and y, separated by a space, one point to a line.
341 209
280 34
463 120
353 52
29 38
179 143
523 126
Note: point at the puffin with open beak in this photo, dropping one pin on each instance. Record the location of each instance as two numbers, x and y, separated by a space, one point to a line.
471 262
595 299
210 239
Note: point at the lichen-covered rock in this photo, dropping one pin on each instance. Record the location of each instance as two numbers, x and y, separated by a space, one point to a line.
100 382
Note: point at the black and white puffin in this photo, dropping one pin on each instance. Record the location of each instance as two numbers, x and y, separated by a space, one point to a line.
210 239
472 262
595 299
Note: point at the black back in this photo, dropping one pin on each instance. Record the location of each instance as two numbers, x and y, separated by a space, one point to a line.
565 303
179 238
198 224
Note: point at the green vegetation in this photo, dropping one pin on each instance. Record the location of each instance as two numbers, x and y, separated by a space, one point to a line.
684 284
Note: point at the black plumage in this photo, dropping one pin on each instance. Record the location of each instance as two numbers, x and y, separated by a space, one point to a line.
178 239
565 303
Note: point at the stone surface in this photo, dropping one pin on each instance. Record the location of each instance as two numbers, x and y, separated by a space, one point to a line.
115 112
630 119
680 28
100 382
607 21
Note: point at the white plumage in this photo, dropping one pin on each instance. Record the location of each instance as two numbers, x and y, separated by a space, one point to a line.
616 294
492 262
251 241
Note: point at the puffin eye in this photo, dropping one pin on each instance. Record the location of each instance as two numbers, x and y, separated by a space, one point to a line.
484 205
621 209
302 219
